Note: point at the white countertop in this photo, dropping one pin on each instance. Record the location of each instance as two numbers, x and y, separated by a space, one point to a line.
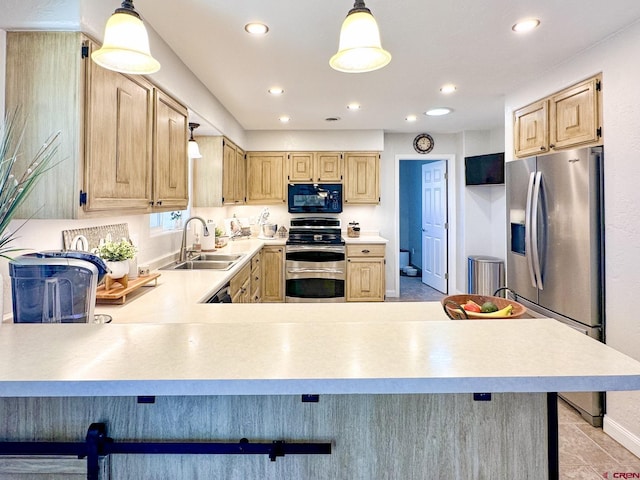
256 356
163 342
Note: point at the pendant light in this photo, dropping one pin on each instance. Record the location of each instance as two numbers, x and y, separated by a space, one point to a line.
194 150
360 49
126 44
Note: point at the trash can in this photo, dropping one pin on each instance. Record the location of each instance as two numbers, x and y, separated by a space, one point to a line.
485 274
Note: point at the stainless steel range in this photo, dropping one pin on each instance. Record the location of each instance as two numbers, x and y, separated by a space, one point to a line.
315 260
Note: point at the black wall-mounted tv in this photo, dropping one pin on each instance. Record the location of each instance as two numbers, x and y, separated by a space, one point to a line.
484 169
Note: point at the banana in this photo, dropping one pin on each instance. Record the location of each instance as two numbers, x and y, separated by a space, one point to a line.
505 312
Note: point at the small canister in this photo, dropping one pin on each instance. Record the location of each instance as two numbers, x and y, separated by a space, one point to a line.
353 230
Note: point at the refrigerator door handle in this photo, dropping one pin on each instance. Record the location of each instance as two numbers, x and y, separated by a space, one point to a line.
528 249
534 230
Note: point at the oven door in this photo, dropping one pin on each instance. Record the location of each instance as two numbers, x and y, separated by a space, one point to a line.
315 274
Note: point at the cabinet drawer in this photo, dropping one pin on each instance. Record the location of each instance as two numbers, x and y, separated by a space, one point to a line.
365 250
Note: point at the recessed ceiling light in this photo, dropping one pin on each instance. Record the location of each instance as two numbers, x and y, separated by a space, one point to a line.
411 118
276 91
437 112
526 25
256 28
353 106
284 119
448 88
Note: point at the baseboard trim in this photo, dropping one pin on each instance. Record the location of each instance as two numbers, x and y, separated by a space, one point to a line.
621 435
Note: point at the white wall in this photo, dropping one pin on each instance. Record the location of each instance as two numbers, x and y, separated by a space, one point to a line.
484 205
621 95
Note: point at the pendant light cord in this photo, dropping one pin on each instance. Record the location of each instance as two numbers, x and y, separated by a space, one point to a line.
127 7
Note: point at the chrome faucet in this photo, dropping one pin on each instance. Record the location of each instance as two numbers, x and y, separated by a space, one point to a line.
183 246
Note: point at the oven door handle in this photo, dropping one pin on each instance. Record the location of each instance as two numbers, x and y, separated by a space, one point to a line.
314 270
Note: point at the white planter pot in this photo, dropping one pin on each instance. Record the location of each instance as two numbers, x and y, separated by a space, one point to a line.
118 269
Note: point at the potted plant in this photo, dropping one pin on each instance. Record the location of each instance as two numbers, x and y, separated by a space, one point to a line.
116 255
17 178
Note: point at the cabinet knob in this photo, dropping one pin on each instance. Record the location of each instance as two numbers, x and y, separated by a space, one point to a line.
366 251
551 146
542 149
159 202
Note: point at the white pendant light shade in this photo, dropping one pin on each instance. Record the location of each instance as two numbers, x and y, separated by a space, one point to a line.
360 49
193 150
126 44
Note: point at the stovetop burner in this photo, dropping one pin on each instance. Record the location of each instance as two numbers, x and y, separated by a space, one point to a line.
315 231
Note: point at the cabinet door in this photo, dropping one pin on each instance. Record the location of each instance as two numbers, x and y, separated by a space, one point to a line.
365 279
207 172
328 167
45 79
241 177
170 160
301 167
118 141
273 274
574 115
265 177
531 129
361 178
229 173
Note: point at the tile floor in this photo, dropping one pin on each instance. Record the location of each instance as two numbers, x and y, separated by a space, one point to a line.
586 452
413 290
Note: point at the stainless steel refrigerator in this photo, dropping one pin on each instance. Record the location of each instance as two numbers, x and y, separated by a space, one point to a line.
555 245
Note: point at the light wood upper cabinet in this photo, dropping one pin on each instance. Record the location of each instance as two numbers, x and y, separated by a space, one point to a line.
45 78
207 172
567 119
123 148
240 177
329 167
219 176
170 157
273 286
118 140
575 116
531 129
362 178
305 167
301 167
233 174
266 177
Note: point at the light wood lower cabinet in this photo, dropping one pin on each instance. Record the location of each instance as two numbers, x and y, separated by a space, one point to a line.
273 287
365 273
240 285
256 278
400 436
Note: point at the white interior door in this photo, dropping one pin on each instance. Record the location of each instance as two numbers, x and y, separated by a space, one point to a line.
434 225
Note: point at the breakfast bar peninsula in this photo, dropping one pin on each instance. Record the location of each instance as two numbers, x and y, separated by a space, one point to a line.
395 389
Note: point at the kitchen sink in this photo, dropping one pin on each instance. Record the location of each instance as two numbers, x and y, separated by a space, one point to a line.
219 257
200 265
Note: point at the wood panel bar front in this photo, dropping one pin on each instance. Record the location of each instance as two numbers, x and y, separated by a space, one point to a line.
372 436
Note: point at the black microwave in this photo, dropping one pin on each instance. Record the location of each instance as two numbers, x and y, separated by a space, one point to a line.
315 198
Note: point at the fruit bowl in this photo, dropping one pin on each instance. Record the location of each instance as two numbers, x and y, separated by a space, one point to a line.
452 306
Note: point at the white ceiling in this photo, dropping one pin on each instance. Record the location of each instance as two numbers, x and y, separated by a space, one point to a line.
465 42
